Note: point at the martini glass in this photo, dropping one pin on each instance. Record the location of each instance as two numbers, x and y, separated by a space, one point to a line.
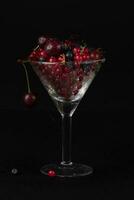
66 85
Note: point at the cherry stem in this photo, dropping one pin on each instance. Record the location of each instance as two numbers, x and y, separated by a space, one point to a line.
27 78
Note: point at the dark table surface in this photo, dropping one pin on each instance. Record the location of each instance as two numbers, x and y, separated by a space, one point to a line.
107 182
107 146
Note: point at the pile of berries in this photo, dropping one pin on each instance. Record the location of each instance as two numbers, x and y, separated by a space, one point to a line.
66 69
54 50
64 64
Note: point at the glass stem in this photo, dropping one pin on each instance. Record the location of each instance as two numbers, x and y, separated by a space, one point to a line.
66 138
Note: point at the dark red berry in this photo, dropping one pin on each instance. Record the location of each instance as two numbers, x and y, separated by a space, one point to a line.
76 64
51 173
80 78
96 54
29 99
75 91
67 69
33 55
86 50
52 59
64 92
79 85
42 40
52 46
58 71
41 54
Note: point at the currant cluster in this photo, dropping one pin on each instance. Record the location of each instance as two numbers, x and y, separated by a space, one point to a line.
64 64
53 50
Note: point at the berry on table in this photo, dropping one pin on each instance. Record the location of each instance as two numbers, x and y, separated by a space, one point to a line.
51 173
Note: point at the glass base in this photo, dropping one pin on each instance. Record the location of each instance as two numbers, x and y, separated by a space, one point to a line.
73 170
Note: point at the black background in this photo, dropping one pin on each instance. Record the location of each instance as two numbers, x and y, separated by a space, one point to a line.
103 122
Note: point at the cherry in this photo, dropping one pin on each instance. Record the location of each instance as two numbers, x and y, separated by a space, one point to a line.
51 173
29 99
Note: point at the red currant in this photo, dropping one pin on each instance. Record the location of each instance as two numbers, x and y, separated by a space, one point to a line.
68 44
80 78
80 72
96 54
86 50
42 55
76 64
75 91
52 46
51 173
76 50
58 71
63 92
52 59
67 69
33 55
64 77
79 85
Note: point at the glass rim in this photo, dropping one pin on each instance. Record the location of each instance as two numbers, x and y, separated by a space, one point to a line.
64 63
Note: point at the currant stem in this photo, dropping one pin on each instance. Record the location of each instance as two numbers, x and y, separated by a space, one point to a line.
27 78
36 47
